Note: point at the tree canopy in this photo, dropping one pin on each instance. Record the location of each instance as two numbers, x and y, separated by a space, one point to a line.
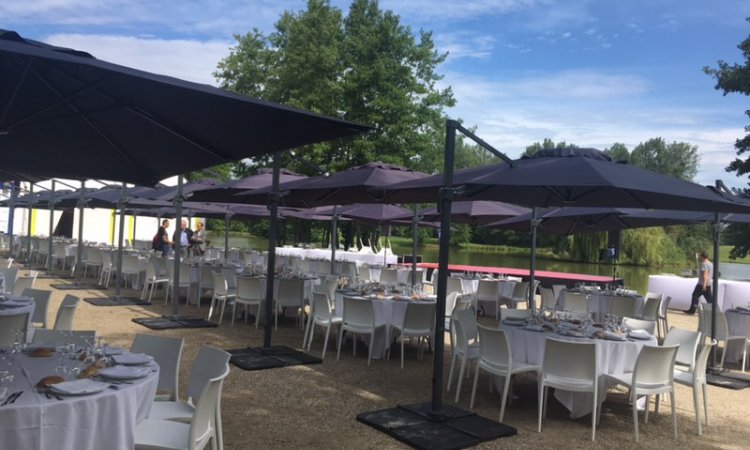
365 67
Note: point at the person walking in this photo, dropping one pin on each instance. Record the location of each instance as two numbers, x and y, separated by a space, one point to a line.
705 279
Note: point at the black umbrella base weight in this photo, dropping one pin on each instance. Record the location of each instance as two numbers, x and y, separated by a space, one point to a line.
116 301
170 323
261 358
419 427
74 286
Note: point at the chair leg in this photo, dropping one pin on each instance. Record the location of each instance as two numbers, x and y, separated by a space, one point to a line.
310 337
402 353
542 397
338 347
697 408
450 372
461 377
234 313
369 351
674 413
504 396
594 416
211 308
474 388
325 342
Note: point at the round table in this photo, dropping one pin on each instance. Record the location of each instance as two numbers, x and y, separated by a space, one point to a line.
103 420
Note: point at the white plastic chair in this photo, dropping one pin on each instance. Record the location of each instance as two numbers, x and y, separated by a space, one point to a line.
358 317
722 332
662 322
209 364
154 278
322 315
92 258
454 284
488 291
575 301
204 427
206 281
364 274
10 275
221 295
651 307
291 294
419 322
648 326
557 290
466 348
687 342
41 305
249 293
388 276
11 323
66 312
106 273
697 380
549 300
81 338
653 375
23 283
167 352
622 306
496 358
569 366
450 306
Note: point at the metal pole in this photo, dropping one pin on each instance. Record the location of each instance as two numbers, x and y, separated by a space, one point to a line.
532 271
177 239
51 226
135 222
227 216
28 227
11 213
715 282
446 198
414 223
121 205
273 206
79 257
334 238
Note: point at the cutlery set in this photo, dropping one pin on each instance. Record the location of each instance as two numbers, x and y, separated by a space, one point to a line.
11 398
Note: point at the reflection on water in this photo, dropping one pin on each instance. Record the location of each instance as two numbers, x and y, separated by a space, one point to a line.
636 277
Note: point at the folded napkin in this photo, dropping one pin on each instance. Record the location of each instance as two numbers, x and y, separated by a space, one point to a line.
125 372
132 359
612 336
640 334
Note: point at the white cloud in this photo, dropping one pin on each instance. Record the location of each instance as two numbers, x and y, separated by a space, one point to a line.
465 44
186 59
451 10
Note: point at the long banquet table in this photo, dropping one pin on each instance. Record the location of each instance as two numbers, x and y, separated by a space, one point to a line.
104 420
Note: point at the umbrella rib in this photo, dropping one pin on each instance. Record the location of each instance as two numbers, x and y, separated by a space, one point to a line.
17 88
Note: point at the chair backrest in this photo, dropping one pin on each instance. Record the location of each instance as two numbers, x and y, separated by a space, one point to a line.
10 275
106 259
160 266
549 300
575 301
515 313
358 312
81 338
66 312
494 348
622 306
9 324
249 288
465 323
388 276
167 351
328 287
41 304
572 360
664 306
291 292
151 270
210 363
207 277
487 290
420 316
324 267
454 285
648 326
219 283
688 342
130 264
418 277
722 327
557 289
364 273
22 284
203 426
322 306
230 274
654 366
699 372
450 303
651 306
520 290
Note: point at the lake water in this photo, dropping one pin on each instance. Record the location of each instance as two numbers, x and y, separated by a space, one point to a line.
636 277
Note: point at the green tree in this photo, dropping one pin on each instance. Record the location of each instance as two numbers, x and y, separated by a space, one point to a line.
619 152
676 159
547 144
365 67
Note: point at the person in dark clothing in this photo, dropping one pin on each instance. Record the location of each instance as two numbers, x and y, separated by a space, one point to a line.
705 279
163 243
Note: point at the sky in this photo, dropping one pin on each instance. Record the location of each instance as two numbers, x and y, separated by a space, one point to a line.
587 72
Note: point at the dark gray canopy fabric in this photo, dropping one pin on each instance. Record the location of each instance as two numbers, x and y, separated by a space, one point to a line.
367 183
478 212
64 113
573 177
589 220
225 192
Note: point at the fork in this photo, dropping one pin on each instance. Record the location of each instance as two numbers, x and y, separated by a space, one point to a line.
9 398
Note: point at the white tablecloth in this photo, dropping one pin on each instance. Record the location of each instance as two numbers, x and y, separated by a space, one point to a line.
612 357
387 312
598 304
681 290
322 253
99 421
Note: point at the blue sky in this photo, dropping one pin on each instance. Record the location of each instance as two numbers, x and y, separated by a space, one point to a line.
586 72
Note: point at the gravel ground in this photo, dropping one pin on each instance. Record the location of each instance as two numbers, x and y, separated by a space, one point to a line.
315 406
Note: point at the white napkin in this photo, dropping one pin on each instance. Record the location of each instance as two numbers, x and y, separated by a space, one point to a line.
132 359
614 336
640 334
125 372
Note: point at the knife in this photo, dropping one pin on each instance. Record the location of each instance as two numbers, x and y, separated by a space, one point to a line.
18 394
9 398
